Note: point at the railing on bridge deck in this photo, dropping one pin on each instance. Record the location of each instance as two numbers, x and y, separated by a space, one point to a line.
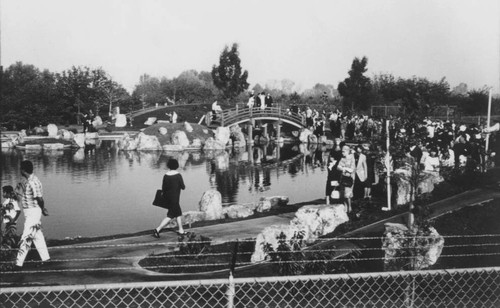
238 115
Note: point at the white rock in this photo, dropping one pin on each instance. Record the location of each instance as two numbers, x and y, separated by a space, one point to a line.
196 143
426 184
211 204
120 120
237 211
264 205
318 220
269 237
163 131
148 142
212 144
304 135
192 216
66 134
150 121
222 135
52 130
179 137
79 139
397 241
188 127
97 121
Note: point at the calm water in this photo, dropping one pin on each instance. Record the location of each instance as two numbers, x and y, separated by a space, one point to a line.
103 191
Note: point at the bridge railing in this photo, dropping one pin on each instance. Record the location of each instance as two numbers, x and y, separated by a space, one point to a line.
236 115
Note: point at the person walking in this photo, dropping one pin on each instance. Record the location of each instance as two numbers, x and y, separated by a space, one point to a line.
30 193
171 187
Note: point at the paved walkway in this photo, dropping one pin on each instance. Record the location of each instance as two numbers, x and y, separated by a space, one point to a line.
97 263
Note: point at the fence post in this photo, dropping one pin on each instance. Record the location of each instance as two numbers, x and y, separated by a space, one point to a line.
231 288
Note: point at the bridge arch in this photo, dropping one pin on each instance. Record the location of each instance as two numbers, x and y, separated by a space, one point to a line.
241 115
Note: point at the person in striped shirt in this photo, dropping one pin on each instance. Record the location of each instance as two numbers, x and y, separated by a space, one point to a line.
30 193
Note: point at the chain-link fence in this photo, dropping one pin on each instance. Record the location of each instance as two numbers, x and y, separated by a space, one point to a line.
478 287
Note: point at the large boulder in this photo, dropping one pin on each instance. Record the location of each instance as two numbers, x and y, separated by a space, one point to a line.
120 120
188 127
212 144
163 131
52 130
310 222
190 217
222 135
126 143
179 137
97 121
238 136
211 205
427 181
79 140
196 143
318 220
304 135
269 239
148 142
237 211
65 134
407 249
150 121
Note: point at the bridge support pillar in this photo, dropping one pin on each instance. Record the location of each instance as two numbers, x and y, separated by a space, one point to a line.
250 132
264 131
278 130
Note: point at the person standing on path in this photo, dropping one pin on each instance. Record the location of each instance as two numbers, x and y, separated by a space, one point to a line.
30 193
171 187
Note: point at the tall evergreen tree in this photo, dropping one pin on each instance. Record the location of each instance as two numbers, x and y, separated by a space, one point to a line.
228 76
356 88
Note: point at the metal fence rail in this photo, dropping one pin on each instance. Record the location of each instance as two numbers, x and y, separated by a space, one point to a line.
476 287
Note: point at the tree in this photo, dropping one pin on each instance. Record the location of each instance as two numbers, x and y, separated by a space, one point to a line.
28 97
228 76
356 88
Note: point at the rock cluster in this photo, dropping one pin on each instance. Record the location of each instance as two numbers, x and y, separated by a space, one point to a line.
410 249
310 221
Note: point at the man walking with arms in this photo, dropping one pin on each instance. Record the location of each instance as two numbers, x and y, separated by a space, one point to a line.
30 195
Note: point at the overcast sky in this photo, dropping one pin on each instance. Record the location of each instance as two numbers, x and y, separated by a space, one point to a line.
309 42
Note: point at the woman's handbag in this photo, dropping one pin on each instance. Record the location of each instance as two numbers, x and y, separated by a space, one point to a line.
335 194
346 181
160 200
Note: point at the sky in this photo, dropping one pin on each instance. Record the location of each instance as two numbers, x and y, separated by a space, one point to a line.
308 42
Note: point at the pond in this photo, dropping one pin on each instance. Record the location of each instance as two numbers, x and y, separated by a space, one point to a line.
101 191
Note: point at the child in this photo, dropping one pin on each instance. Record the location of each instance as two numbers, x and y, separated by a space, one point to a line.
10 208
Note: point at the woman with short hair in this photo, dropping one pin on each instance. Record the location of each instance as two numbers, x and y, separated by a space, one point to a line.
171 189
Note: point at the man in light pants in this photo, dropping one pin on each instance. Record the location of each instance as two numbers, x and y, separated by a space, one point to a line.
29 192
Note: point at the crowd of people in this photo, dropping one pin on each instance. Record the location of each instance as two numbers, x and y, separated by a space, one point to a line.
357 159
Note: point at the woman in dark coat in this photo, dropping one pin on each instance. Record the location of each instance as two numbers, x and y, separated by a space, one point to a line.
333 177
171 187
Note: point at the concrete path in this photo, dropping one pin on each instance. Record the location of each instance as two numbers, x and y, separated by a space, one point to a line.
115 261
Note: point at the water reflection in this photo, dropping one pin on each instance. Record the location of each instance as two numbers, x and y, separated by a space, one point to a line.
100 190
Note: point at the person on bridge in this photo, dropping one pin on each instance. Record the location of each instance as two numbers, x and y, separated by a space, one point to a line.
269 100
216 109
262 98
251 101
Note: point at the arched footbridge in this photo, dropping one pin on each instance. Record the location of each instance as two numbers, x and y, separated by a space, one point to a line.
237 115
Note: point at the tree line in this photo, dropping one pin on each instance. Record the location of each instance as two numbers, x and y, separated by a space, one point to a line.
32 97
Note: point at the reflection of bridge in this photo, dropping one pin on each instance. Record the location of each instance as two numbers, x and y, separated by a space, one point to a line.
240 115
